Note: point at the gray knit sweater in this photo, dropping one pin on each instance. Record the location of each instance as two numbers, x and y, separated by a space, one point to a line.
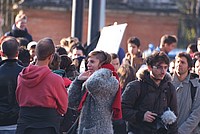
96 113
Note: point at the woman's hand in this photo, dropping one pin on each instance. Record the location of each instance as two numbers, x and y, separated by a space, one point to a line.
84 76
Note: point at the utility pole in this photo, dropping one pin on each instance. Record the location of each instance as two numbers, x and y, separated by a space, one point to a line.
197 19
93 19
77 18
102 13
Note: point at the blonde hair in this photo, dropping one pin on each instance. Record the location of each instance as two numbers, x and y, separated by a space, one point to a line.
102 56
69 41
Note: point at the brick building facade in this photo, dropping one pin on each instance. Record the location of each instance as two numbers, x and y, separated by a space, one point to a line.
148 26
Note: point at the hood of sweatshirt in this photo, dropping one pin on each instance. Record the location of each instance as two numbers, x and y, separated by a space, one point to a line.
33 75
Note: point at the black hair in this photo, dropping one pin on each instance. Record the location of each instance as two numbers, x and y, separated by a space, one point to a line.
114 56
78 46
193 47
134 40
187 56
157 57
23 42
61 50
10 47
24 56
168 39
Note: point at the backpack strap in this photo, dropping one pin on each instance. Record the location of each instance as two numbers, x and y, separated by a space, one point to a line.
143 92
168 93
193 91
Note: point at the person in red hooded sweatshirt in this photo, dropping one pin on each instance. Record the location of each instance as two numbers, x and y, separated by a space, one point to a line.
41 94
97 94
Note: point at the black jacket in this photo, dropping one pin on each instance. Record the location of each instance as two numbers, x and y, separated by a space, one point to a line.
31 118
9 108
156 99
15 32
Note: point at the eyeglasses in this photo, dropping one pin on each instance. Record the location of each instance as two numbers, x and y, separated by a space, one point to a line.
160 67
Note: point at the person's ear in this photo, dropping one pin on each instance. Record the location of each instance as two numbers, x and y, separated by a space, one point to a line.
99 66
2 54
17 54
51 57
149 67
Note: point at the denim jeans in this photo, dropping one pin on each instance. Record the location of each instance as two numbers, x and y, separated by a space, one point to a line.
7 131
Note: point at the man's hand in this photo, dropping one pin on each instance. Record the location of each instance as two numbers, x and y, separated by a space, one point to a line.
149 116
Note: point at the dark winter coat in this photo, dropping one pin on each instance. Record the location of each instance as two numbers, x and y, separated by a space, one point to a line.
15 32
9 108
156 99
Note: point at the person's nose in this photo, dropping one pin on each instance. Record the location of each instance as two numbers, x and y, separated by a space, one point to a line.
88 64
198 68
177 64
163 70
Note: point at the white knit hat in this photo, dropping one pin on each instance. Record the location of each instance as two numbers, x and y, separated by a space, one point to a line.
30 44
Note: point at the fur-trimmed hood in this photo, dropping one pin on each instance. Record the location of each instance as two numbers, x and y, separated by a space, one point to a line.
143 74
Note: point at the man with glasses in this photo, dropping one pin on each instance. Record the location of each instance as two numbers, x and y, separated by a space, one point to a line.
188 95
145 101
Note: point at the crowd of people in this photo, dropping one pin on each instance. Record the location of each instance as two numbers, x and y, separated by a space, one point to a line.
62 89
